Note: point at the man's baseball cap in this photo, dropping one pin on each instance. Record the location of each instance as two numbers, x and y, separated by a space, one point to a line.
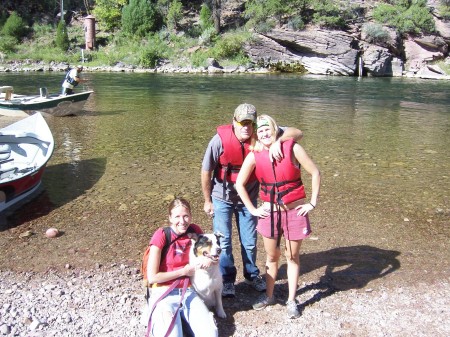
245 112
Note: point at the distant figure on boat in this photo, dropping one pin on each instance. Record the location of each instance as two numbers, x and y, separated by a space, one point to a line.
71 80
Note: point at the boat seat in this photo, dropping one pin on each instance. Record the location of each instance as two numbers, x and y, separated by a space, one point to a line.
8 90
23 137
5 88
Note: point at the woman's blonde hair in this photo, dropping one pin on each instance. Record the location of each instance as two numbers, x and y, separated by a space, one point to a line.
265 120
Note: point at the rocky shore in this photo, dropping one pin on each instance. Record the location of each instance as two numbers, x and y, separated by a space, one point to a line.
107 301
213 67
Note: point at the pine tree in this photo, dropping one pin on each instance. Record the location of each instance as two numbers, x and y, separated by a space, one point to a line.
62 38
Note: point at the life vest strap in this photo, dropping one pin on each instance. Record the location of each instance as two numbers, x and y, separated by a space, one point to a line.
279 194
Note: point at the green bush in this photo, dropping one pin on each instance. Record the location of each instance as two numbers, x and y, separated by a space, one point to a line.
155 50
407 17
375 33
444 10
208 36
62 37
140 17
42 31
328 14
259 12
198 59
265 27
227 46
296 23
444 66
7 43
108 13
15 27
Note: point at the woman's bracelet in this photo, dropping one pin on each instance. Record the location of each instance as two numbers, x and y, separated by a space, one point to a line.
312 205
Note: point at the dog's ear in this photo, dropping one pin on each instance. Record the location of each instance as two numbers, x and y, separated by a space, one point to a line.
193 236
219 235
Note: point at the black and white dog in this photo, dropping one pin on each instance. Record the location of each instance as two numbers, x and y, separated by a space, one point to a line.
208 282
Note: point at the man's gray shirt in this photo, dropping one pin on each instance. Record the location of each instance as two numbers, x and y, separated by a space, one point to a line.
210 163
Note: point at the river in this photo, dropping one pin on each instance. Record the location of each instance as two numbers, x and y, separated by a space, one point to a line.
382 145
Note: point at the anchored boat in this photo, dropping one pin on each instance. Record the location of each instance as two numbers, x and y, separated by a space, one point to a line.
54 104
25 148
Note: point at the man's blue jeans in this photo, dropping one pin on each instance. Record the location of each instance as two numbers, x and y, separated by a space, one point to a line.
246 226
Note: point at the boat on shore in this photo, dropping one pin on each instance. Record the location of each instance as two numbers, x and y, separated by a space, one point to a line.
25 148
53 104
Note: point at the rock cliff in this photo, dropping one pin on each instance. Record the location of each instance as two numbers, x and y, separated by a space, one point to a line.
351 53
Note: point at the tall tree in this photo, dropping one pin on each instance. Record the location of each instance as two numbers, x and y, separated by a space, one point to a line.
215 7
140 17
216 14
109 13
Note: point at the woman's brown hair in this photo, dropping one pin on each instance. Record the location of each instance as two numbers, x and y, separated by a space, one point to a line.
179 202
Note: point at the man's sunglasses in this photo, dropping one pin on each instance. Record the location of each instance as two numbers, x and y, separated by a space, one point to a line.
244 123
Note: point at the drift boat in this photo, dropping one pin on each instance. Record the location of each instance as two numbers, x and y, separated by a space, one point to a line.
53 104
25 148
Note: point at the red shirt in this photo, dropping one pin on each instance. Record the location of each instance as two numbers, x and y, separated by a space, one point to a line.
178 253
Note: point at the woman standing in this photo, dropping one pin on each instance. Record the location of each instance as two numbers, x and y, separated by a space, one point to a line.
284 210
179 308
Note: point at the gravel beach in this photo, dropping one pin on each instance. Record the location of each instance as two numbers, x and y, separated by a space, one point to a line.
108 301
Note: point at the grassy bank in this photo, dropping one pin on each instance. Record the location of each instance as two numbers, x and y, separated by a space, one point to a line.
179 49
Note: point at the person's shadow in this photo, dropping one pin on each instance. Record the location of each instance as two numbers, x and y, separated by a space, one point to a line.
345 268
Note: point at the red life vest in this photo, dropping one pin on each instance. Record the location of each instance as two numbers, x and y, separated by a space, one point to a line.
234 153
281 182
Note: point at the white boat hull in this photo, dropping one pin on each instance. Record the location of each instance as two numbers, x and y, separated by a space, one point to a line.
25 148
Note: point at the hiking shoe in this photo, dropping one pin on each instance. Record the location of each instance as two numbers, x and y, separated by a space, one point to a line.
258 283
263 301
228 290
292 309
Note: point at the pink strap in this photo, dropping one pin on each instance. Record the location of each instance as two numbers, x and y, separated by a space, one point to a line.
172 287
185 283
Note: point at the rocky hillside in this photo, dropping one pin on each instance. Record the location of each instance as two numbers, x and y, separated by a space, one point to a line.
350 52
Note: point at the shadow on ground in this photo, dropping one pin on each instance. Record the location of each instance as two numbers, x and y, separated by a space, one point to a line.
346 268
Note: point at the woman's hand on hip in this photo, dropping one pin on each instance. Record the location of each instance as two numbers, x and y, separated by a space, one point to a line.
260 212
304 209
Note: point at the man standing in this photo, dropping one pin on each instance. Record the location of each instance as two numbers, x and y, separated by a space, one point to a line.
221 164
71 80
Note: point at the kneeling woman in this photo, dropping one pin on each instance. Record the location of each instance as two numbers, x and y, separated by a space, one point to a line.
284 210
175 312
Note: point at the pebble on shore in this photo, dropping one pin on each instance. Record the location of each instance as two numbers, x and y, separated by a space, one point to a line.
52 233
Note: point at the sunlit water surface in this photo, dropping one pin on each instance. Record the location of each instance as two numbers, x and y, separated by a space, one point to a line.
382 144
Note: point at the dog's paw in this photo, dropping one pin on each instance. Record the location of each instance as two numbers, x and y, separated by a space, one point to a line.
221 313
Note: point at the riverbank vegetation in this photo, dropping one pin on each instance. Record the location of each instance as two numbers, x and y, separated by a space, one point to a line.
146 33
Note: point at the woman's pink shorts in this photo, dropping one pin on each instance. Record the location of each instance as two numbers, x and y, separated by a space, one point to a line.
293 226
